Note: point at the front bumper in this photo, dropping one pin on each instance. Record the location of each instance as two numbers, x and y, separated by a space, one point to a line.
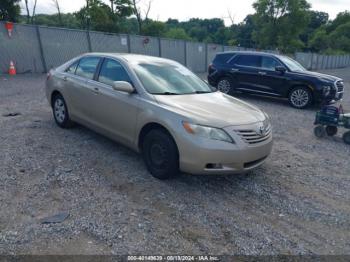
209 157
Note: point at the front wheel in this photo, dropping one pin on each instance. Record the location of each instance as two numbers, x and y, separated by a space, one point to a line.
160 154
346 138
300 97
225 85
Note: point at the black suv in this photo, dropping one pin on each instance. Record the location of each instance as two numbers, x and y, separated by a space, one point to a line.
273 75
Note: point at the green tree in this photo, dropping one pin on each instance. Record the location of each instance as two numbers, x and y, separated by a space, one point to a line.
177 33
9 10
154 28
279 23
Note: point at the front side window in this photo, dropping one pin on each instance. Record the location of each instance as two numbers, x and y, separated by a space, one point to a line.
248 60
162 78
87 67
292 64
111 71
269 63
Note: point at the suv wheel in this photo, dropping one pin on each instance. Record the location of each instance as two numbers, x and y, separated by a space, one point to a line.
300 97
225 85
160 154
60 112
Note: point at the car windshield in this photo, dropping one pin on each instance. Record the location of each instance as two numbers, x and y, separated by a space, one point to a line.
162 78
292 64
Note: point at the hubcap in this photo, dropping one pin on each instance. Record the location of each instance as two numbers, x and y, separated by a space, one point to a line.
224 86
158 154
59 110
299 98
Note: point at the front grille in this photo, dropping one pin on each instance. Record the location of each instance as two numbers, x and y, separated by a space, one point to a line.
253 137
340 86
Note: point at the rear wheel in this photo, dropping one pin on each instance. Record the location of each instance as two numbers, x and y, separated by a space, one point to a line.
160 154
319 131
60 112
225 85
300 97
346 138
331 130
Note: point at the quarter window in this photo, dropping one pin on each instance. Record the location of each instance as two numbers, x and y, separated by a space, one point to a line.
269 63
87 67
248 60
111 71
71 69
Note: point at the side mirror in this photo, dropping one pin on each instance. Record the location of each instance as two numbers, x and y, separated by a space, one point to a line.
281 69
123 86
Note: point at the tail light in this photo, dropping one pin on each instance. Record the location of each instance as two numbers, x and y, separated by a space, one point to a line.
211 68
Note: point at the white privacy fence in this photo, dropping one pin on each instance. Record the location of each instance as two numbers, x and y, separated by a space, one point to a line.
39 48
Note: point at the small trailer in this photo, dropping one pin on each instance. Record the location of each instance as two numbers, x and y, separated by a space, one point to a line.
327 121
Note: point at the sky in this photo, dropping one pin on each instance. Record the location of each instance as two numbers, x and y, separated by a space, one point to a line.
184 9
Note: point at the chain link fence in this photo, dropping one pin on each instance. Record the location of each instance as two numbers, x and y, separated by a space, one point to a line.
38 48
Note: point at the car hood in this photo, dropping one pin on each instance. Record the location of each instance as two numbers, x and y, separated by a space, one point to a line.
320 76
212 109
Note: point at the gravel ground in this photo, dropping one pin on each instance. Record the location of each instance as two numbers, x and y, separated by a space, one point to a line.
296 203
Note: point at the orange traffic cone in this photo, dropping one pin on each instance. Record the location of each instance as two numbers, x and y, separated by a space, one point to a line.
12 69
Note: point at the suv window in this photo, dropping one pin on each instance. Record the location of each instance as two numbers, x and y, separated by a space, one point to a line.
269 63
248 60
222 58
111 71
71 69
87 67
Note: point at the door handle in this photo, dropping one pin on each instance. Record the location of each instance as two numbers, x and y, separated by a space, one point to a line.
234 70
262 73
65 78
96 90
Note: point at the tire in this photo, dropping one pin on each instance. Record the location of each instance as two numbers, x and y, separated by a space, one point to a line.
60 112
300 97
319 131
346 137
160 154
225 85
331 130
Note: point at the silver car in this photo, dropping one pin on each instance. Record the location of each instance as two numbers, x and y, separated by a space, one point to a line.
161 109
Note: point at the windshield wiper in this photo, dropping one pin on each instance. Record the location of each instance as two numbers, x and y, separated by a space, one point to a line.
166 93
202 92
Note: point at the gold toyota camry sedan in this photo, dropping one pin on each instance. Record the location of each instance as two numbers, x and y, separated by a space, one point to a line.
159 108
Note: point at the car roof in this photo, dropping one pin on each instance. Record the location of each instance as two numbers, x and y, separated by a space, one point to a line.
132 58
247 53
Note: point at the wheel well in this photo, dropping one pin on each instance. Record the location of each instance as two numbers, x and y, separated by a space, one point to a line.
54 93
147 128
305 86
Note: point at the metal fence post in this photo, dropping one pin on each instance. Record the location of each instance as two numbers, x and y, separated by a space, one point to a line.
185 51
206 58
129 44
160 47
43 61
88 40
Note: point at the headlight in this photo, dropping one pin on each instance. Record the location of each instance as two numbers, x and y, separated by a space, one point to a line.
207 132
326 90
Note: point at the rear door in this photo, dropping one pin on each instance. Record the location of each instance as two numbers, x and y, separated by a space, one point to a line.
272 81
245 72
81 94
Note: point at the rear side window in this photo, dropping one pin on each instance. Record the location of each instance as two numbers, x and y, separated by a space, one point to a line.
248 60
87 67
111 71
269 63
71 69
222 58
